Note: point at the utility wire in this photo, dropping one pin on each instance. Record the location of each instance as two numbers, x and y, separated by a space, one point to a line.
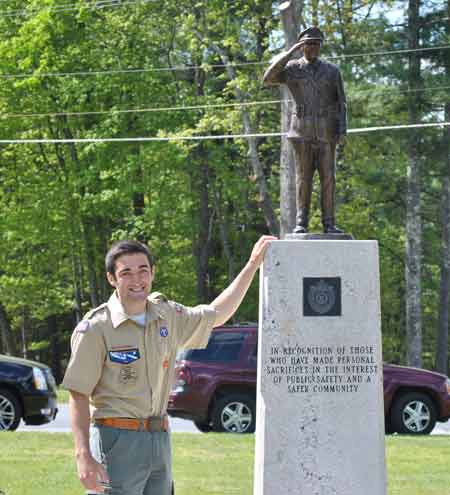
210 137
194 107
44 7
57 8
71 7
392 52
142 110
206 66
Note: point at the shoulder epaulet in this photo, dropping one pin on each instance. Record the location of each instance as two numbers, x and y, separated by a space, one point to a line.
85 324
179 308
330 65
157 297
92 312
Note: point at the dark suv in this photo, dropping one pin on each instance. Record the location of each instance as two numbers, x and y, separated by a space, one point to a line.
216 388
28 391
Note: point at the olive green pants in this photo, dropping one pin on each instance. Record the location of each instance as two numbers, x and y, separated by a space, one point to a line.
137 462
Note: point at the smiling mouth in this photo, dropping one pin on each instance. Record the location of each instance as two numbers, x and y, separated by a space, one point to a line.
137 291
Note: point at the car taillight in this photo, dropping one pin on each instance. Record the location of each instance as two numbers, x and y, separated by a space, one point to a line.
184 377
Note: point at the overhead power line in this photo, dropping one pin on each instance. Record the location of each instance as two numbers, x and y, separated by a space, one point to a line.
209 137
142 110
205 66
195 107
392 52
67 7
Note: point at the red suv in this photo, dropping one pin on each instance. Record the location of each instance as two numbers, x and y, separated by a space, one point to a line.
216 388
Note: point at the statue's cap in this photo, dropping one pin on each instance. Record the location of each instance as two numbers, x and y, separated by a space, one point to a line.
311 34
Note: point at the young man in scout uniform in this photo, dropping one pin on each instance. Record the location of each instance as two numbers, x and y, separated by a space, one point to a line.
319 122
122 361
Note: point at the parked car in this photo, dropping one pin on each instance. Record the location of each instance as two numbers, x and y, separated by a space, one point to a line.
27 391
216 388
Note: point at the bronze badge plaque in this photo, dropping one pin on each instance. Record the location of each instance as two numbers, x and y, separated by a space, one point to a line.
322 296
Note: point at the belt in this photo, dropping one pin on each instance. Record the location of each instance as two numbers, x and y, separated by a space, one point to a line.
152 424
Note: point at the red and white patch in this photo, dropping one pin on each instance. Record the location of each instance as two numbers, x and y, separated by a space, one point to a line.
122 347
166 364
178 308
82 327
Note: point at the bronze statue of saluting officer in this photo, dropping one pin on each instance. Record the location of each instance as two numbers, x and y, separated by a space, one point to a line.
319 123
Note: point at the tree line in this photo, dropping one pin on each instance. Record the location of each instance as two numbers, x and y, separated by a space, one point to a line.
193 69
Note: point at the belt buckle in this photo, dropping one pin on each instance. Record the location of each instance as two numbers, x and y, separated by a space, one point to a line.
142 426
155 424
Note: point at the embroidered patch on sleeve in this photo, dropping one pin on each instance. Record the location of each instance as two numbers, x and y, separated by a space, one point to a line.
124 356
82 327
179 308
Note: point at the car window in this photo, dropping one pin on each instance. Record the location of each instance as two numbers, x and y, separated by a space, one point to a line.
222 347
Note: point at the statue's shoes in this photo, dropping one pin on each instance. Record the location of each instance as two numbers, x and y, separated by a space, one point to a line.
332 229
300 229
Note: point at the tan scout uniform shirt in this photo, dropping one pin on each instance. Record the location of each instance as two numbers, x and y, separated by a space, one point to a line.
127 369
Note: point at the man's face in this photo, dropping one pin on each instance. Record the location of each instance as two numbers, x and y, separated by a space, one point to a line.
311 50
132 280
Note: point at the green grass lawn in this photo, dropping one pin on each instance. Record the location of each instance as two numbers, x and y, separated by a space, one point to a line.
63 395
213 464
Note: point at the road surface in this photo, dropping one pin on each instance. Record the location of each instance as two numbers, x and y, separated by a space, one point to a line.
62 425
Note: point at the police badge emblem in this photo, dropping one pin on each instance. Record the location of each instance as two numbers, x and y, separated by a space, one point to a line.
322 296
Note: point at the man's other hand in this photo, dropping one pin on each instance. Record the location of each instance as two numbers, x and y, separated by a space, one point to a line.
92 474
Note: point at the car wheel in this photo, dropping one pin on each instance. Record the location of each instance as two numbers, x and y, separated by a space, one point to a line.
413 413
234 414
10 411
203 426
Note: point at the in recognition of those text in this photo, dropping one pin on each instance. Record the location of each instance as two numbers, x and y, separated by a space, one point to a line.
321 369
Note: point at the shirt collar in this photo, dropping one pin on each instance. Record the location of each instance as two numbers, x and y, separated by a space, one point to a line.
314 64
119 315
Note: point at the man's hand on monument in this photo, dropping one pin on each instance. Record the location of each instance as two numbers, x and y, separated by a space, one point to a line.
92 474
259 249
227 302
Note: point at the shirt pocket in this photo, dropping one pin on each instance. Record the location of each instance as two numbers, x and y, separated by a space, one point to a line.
125 367
163 338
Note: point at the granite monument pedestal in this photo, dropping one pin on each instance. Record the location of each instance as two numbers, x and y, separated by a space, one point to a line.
320 420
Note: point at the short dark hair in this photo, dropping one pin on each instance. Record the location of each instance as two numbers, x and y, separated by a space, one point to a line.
126 247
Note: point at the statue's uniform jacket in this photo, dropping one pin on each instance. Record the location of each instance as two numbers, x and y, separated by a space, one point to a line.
318 92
